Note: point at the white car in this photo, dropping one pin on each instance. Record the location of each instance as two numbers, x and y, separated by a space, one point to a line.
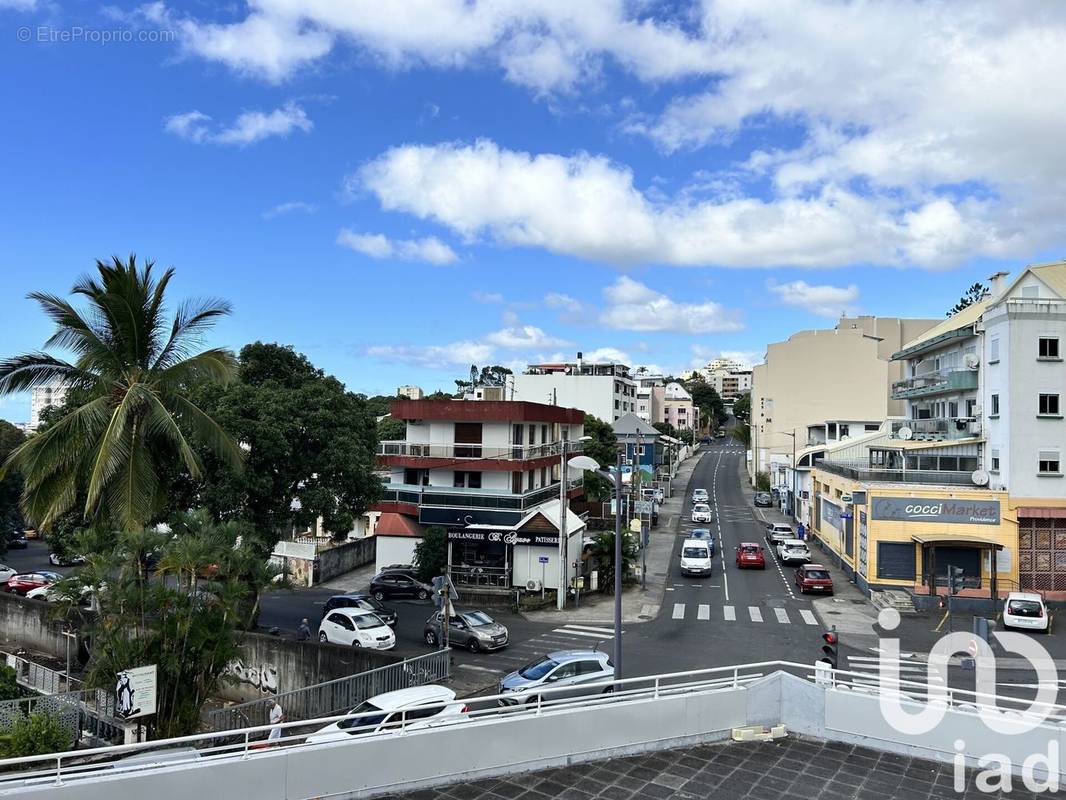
701 512
6 573
418 707
777 532
700 496
1026 611
793 551
357 628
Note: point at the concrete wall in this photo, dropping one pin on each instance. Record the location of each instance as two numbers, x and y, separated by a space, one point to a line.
344 557
394 550
28 624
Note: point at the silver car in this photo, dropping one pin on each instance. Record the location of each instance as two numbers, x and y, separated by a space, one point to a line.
567 672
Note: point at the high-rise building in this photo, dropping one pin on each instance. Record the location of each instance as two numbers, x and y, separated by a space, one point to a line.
53 393
604 390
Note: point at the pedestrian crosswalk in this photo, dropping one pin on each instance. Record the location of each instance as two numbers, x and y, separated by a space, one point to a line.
867 671
565 637
782 616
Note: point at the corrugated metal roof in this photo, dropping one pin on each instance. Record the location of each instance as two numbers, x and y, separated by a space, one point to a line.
1054 275
965 318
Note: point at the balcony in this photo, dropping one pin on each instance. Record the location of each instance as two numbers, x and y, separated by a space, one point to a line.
938 430
475 451
936 382
490 499
861 471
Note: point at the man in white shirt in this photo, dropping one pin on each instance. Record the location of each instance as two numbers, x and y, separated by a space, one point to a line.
277 716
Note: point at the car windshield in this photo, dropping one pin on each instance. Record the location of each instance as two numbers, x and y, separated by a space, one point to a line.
695 552
375 716
475 618
749 550
819 574
538 669
366 621
1024 608
702 507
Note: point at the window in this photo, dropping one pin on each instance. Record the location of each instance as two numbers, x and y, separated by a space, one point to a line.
971 408
995 459
995 405
953 409
1049 347
845 430
871 427
1049 462
1049 404
615 405
1030 291
993 350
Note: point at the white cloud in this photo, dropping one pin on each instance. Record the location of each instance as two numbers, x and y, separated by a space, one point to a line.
434 356
377 245
564 302
294 207
825 301
703 354
632 306
607 354
524 337
487 297
248 128
19 5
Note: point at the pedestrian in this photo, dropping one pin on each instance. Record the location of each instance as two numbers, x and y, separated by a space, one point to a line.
303 633
801 532
277 716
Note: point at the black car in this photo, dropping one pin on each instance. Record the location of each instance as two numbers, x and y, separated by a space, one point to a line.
398 584
363 601
402 569
18 542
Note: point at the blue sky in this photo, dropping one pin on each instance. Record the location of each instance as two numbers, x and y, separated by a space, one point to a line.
400 189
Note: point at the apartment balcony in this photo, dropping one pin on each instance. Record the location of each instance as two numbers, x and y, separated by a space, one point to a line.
861 471
445 505
938 430
472 456
939 381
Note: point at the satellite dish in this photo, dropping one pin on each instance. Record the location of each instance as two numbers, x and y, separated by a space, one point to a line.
971 360
905 433
979 477
844 438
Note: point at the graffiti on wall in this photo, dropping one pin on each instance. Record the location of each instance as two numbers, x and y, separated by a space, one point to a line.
262 677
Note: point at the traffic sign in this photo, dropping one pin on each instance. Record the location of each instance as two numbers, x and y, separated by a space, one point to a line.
542 559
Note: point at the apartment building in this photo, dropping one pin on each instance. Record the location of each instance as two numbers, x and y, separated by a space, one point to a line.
410 392
604 390
729 377
489 472
52 393
650 394
678 409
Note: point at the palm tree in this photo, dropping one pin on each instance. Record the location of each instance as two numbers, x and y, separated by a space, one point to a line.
129 418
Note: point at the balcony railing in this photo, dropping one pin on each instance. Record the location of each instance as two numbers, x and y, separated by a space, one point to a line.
864 472
940 429
495 577
936 382
510 452
448 497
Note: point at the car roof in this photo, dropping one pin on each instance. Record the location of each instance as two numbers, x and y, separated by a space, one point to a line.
795 542
1025 596
352 611
572 655
694 541
815 566
750 544
700 530
780 526
413 696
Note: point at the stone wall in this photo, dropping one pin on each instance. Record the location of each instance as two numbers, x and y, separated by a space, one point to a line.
345 557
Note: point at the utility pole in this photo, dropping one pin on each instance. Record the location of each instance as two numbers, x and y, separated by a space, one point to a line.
560 599
618 568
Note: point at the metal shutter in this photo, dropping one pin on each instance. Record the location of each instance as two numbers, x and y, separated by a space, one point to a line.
895 560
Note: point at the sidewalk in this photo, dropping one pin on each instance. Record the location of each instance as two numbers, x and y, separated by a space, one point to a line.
638 605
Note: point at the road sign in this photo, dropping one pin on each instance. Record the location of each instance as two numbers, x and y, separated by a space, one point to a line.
135 692
542 559
845 515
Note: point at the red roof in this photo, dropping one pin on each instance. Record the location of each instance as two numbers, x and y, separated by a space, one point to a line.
392 524
485 411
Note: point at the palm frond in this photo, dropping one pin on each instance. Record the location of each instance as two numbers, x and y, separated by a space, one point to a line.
192 319
217 365
208 432
30 370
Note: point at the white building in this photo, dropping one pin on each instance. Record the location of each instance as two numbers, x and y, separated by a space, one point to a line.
52 393
410 392
606 390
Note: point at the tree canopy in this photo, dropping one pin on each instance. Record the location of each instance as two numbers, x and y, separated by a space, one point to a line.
742 407
974 294
10 485
706 398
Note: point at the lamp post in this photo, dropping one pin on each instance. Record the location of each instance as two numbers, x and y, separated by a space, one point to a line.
564 507
792 500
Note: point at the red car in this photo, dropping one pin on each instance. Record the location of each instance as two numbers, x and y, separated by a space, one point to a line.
814 578
28 581
749 554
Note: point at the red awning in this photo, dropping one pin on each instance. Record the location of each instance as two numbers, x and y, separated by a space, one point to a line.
1041 511
393 524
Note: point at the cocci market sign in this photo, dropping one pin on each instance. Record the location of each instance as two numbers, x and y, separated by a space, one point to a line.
934 509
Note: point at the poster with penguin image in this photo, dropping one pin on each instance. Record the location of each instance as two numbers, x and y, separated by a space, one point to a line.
135 692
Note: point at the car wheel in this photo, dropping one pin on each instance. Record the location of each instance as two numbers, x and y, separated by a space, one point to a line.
379 595
473 646
423 594
356 643
431 638
608 690
323 638
533 700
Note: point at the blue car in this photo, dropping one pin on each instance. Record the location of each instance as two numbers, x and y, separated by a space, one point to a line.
703 533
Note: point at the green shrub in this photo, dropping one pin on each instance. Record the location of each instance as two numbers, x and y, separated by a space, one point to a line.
9 688
35 735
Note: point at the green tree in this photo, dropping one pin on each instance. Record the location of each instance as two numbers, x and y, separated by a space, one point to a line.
742 407
134 419
687 436
974 294
9 687
431 554
37 734
603 444
762 481
391 430
743 432
11 520
603 551
665 428
706 398
310 446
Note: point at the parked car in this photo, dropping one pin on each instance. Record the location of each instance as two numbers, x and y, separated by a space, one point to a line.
474 630
653 493
570 671
416 707
356 627
704 534
700 496
814 578
750 555
386 585
793 551
403 569
50 593
1026 611
6 573
32 533
701 512
764 500
27 581
56 560
720 435
18 542
705 440
777 532
363 601
696 558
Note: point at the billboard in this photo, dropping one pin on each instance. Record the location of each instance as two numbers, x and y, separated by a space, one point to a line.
135 692
935 509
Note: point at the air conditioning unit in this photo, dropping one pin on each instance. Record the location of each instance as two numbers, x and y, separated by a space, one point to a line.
533 586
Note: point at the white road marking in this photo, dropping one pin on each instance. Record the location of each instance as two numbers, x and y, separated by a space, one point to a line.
703 612
608 631
481 669
808 616
782 615
583 633
730 613
755 613
679 610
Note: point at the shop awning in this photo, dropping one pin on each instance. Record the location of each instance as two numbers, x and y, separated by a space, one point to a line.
393 524
1041 512
958 541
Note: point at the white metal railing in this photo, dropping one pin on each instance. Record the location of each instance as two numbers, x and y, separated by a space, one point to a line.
65 768
475 450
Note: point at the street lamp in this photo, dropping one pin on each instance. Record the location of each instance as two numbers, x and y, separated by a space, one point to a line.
591 465
564 507
792 499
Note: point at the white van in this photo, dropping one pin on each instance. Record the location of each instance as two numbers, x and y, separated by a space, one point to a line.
695 557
